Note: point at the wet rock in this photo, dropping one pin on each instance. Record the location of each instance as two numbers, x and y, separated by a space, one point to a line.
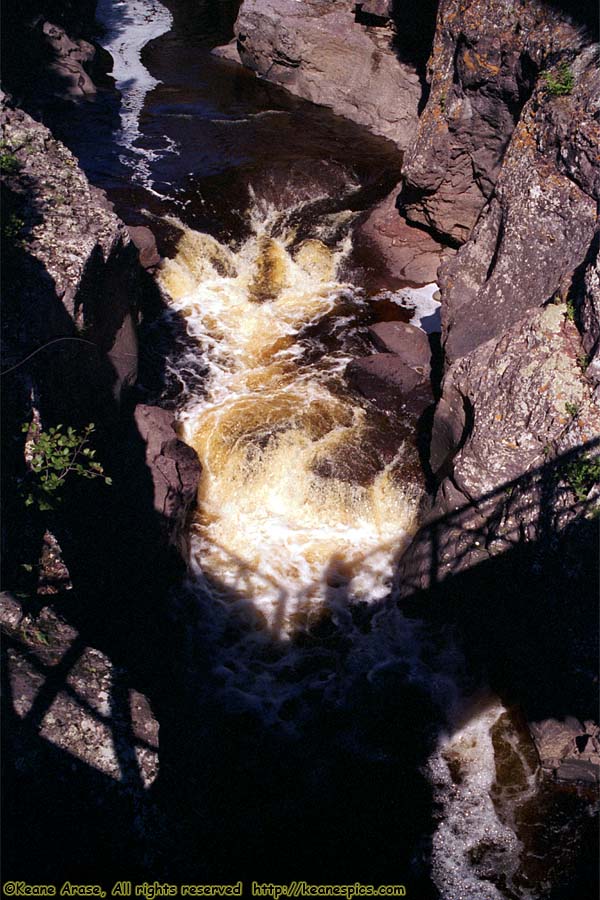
322 53
389 383
578 771
406 341
174 467
145 242
409 253
484 64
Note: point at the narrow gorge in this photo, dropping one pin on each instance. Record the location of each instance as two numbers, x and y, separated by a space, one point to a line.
301 457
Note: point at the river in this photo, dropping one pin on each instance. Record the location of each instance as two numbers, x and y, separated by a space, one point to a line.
345 740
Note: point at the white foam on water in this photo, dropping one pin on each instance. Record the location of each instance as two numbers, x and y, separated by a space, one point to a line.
271 528
470 841
275 544
427 310
130 25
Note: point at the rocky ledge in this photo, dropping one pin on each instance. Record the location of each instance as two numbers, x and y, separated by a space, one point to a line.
69 254
486 60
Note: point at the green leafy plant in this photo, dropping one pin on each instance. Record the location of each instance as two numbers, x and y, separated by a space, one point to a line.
582 475
56 454
12 227
9 164
562 83
571 309
583 360
572 409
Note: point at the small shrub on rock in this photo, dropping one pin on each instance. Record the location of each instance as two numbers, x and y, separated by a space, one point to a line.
560 84
582 474
54 455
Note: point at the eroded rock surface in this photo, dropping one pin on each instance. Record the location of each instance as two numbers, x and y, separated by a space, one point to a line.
319 51
70 256
485 61
537 229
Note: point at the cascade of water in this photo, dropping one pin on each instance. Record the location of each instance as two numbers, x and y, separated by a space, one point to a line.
128 26
280 442
309 496
292 525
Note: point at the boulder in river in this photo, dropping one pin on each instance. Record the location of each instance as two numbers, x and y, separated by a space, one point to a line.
145 242
406 341
388 382
174 468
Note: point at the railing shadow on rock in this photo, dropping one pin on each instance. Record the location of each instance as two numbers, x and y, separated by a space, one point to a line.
515 571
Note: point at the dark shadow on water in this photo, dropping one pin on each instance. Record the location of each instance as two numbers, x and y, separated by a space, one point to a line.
330 793
333 789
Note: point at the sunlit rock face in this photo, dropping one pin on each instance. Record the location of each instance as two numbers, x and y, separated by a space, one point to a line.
537 229
483 68
323 52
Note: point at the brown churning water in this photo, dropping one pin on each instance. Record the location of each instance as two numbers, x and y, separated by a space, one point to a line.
283 513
